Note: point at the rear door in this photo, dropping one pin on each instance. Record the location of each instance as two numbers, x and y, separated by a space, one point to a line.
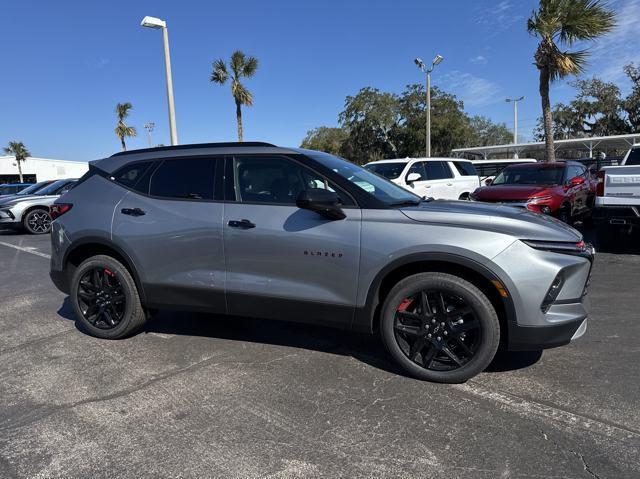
439 184
579 193
171 224
282 261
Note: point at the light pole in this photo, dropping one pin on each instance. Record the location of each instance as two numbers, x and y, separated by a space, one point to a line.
428 71
149 126
152 22
515 120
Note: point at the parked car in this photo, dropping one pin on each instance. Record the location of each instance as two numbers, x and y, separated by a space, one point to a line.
488 169
439 178
12 188
29 190
251 229
617 203
31 212
563 189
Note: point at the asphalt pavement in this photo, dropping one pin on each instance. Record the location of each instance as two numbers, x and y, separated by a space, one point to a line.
196 396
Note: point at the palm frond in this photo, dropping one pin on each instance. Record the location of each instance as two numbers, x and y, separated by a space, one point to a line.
250 67
17 149
241 94
122 110
238 60
219 73
124 131
585 20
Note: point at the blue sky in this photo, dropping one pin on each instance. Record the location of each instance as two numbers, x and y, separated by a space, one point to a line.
67 63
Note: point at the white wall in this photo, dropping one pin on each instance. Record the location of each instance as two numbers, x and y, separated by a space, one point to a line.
43 168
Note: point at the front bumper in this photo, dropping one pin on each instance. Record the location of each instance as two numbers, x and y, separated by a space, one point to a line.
532 338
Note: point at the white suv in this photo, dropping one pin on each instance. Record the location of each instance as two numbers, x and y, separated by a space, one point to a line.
445 178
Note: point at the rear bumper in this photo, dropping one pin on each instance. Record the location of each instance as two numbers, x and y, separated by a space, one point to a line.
617 215
535 338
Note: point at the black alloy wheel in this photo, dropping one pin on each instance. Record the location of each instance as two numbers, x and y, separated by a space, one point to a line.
101 298
436 330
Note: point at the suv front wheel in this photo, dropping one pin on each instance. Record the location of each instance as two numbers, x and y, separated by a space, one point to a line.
105 298
440 327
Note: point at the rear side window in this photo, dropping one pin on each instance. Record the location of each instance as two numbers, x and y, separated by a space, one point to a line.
184 178
135 176
437 170
465 168
634 157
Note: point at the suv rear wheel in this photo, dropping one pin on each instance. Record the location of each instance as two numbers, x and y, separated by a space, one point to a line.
440 327
105 298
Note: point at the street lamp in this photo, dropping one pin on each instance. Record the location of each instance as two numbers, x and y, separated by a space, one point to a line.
515 120
428 71
152 22
149 126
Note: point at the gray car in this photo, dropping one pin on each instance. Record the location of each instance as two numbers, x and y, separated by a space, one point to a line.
31 211
252 229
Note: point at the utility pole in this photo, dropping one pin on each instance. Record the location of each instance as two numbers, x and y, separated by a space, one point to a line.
427 72
149 126
515 120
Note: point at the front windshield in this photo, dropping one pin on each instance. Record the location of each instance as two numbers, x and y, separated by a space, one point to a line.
383 189
530 175
388 170
52 188
33 188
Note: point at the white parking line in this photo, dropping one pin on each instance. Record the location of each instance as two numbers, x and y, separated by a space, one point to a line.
26 250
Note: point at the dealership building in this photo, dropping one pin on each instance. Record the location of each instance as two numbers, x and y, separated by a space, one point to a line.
40 169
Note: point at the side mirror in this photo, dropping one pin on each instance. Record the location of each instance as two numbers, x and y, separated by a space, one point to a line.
324 202
577 180
411 177
488 181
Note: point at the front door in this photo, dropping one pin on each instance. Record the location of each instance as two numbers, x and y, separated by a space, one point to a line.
284 262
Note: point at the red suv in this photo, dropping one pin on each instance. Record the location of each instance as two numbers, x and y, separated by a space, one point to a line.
563 189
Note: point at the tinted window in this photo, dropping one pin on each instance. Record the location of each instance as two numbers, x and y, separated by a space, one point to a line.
573 171
29 190
185 178
63 189
634 157
388 170
135 176
530 175
418 167
465 168
276 180
53 188
437 170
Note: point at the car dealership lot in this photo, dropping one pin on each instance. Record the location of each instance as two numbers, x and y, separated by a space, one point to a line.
200 396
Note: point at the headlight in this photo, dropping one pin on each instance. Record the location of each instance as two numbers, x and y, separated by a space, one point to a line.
539 199
566 247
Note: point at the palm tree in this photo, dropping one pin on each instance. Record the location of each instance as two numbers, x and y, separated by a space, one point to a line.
17 149
564 22
241 67
122 130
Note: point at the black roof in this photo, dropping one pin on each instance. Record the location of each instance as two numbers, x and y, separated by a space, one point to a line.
230 144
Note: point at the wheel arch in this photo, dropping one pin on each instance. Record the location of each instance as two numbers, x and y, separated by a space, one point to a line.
367 318
80 250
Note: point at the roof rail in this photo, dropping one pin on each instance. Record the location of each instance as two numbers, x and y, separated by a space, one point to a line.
229 144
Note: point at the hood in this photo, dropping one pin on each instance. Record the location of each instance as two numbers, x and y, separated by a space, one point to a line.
509 192
15 199
4 199
517 222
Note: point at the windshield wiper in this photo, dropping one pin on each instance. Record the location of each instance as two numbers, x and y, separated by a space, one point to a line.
406 203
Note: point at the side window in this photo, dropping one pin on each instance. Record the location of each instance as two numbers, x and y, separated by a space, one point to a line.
418 167
184 178
437 170
275 180
66 187
135 176
465 168
573 171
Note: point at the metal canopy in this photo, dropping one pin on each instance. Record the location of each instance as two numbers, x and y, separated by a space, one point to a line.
621 142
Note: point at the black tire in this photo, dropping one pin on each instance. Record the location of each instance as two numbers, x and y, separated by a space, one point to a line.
115 318
464 197
483 341
37 222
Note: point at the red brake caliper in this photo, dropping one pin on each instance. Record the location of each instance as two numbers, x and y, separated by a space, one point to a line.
405 304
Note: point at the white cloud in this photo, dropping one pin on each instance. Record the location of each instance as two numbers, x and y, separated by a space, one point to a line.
479 60
610 53
472 90
500 16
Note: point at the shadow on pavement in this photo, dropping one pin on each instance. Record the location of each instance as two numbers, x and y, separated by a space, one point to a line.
368 349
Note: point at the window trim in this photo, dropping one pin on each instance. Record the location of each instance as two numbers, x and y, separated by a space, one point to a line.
231 195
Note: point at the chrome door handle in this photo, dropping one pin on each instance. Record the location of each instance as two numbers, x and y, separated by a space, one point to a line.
243 224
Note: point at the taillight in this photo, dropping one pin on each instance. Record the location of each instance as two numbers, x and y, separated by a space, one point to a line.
58 209
600 185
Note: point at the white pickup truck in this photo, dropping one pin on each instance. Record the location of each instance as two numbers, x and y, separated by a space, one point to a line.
618 195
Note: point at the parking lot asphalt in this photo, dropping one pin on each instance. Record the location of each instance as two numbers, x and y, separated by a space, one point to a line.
203 396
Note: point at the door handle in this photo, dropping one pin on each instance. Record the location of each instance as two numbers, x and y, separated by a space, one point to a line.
449 184
244 224
132 211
